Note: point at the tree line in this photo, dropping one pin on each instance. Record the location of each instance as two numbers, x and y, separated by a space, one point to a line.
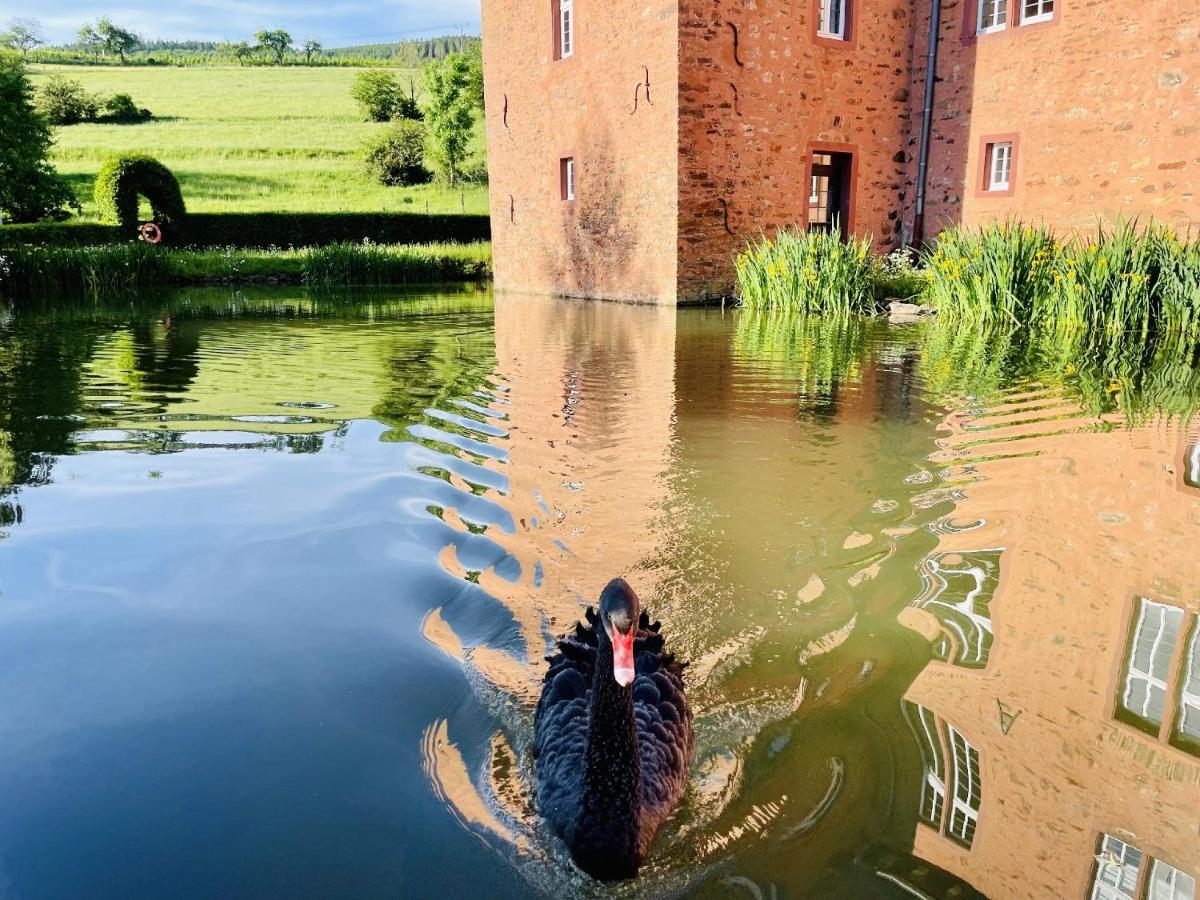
104 39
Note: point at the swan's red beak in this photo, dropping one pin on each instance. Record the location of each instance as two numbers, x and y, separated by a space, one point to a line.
623 656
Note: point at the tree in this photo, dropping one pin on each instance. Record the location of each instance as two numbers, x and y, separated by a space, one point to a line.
474 55
311 46
380 96
89 41
64 101
117 40
29 188
242 52
277 43
449 114
23 35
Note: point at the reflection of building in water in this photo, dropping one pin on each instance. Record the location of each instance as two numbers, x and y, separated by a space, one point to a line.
1061 752
589 411
1192 466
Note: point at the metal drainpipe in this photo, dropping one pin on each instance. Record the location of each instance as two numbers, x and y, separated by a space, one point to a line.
935 17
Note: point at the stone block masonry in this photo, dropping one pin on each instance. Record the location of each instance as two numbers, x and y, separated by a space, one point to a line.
692 127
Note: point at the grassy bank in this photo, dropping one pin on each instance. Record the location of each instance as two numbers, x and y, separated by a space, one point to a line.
246 139
68 271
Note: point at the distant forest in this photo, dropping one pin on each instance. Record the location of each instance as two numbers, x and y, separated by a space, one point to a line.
407 53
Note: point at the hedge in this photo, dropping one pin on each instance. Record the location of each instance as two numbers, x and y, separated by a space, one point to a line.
123 178
251 230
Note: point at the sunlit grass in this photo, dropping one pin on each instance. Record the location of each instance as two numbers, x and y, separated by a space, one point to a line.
246 140
32 271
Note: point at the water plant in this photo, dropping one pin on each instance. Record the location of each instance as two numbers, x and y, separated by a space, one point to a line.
1117 279
808 271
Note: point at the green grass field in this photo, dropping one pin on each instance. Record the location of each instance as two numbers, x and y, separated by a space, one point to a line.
259 139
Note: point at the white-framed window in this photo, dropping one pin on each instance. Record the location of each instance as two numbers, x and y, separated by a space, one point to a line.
831 21
1117 866
566 177
1169 883
1189 690
964 804
1000 166
566 28
933 787
1034 11
993 16
1155 633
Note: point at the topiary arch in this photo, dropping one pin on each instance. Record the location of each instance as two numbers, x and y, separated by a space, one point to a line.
124 178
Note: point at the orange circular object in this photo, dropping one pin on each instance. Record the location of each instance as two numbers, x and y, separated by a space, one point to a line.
150 233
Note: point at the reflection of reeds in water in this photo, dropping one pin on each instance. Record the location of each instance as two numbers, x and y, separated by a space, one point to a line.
814 352
1132 374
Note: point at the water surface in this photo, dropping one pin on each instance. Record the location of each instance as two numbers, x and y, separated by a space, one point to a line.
277 573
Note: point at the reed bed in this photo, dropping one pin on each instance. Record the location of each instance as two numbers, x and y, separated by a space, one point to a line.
808 271
62 272
1116 280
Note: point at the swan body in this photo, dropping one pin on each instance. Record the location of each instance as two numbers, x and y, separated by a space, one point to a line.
612 737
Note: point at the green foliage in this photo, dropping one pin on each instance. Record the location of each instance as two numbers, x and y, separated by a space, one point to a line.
57 272
116 41
30 189
1117 280
22 35
397 156
312 47
381 97
124 178
64 101
273 230
450 114
121 109
808 271
898 276
276 42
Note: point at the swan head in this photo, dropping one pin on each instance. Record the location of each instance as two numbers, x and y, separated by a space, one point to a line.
619 611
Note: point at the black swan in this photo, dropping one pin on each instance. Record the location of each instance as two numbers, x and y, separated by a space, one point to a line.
612 737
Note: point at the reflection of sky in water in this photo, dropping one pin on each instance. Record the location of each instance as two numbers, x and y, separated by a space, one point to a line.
274 588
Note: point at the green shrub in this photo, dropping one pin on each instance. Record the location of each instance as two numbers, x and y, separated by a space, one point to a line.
122 179
121 109
808 271
30 189
382 98
273 230
65 102
397 156
898 276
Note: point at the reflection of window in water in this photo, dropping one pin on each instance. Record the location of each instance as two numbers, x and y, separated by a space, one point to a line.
1192 476
1169 883
965 784
958 590
1147 697
964 808
1119 866
1189 691
933 786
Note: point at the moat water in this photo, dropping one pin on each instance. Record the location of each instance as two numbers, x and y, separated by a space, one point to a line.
277 574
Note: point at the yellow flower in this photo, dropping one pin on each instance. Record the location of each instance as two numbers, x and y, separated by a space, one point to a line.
1113 387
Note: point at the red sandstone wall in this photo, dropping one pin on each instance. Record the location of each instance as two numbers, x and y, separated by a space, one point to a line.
618 240
1106 101
791 90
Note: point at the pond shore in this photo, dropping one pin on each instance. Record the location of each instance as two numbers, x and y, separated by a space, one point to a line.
46 271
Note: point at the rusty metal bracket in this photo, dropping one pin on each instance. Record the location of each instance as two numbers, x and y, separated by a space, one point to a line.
646 69
506 110
725 213
736 44
512 209
736 99
637 88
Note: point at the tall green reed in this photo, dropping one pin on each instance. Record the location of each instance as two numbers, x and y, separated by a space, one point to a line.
808 271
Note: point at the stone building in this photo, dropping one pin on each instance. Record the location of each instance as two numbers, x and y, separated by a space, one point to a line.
636 145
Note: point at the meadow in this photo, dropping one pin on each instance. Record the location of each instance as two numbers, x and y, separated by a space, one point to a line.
247 139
